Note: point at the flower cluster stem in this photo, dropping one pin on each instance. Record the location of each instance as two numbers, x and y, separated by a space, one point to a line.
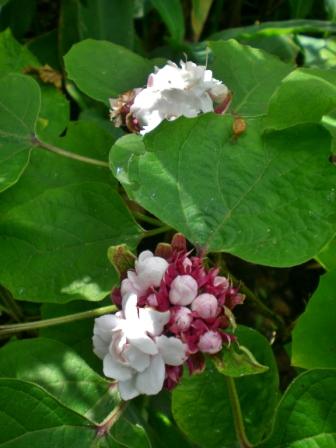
157 231
237 414
71 155
28 326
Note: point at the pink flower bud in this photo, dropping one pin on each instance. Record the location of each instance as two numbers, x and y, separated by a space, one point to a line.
210 342
221 281
152 300
183 290
181 318
206 306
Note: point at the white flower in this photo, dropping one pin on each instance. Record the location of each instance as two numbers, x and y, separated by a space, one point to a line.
149 271
133 349
183 290
174 91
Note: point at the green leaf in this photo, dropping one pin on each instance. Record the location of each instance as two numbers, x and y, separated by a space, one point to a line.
45 48
246 196
300 8
237 361
103 70
20 102
199 14
252 75
201 405
330 6
32 417
61 372
306 415
54 114
303 97
318 52
110 20
327 256
13 56
18 16
313 339
172 14
58 222
281 46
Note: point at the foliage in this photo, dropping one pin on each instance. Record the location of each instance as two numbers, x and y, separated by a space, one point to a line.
258 202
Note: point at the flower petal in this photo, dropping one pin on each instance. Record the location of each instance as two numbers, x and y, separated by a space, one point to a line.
136 359
150 382
127 389
104 325
138 338
172 350
129 306
100 347
113 369
153 321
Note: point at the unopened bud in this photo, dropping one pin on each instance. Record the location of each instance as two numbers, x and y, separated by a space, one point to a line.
183 290
210 342
206 306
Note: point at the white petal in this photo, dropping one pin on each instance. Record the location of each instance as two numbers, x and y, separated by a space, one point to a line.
150 382
127 389
100 347
172 350
113 369
140 340
104 325
153 321
136 359
129 306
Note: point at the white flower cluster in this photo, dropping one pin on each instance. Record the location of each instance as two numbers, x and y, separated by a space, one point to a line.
131 343
171 92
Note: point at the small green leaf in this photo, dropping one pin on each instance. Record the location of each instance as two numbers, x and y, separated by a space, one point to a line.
103 70
252 75
314 343
306 416
20 102
237 361
172 14
201 405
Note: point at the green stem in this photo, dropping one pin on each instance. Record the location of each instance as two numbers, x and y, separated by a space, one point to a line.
145 218
105 426
237 414
71 155
28 326
157 231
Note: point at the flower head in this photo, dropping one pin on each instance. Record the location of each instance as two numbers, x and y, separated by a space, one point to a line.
172 310
171 92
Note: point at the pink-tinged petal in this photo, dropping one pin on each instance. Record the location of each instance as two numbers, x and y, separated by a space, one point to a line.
210 342
140 340
172 350
183 290
136 359
150 382
113 369
127 389
153 321
181 318
150 270
206 306
128 287
100 347
129 306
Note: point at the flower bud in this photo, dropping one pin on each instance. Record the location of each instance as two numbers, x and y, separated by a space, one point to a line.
206 306
181 318
150 269
183 290
221 281
210 342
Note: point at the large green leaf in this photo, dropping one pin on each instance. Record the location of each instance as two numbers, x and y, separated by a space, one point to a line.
268 199
300 8
57 223
32 417
62 372
13 56
201 405
103 69
306 416
327 256
20 102
314 343
251 74
54 114
303 97
172 15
